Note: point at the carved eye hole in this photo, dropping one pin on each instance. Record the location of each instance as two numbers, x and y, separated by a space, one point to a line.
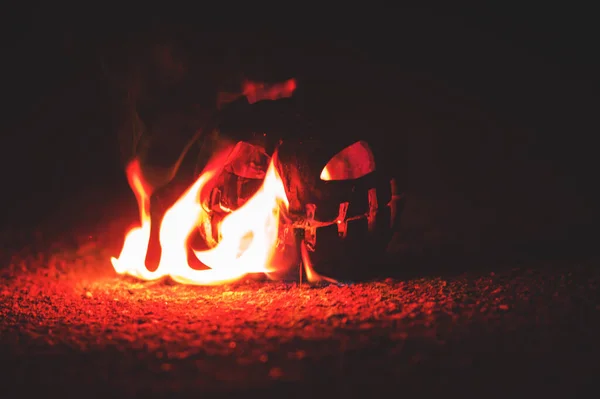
352 162
248 160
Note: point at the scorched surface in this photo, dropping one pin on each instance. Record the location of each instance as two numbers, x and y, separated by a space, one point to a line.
69 325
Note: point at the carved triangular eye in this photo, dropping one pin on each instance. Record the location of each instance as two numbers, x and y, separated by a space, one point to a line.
352 162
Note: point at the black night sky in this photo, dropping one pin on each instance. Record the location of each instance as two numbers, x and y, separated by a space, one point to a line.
489 112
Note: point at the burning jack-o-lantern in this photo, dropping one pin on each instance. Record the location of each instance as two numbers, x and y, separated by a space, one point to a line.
285 195
343 205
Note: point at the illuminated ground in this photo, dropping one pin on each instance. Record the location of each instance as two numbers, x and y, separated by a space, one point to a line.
70 326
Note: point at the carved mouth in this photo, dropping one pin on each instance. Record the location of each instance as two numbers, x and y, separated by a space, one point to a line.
308 223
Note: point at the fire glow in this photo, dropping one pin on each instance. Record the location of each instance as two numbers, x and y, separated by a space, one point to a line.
247 241
248 237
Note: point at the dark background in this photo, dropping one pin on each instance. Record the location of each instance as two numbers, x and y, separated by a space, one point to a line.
491 113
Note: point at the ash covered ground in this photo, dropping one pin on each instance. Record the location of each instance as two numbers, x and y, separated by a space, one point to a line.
69 325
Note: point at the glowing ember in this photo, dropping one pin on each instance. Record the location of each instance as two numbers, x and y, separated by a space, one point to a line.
325 174
247 236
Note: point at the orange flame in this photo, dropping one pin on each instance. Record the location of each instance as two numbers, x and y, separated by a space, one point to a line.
248 236
311 275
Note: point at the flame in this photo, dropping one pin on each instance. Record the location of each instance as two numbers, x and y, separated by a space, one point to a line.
311 275
247 236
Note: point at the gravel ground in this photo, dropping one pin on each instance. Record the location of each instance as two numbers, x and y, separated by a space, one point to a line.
70 326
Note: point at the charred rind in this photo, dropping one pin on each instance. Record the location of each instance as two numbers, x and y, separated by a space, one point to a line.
278 120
